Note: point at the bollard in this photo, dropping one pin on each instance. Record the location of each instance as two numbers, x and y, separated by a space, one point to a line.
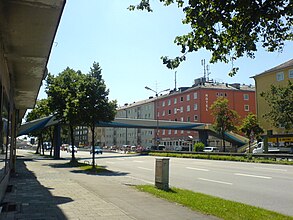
162 173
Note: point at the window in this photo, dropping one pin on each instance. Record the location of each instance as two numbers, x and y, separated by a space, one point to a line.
163 103
169 112
188 108
175 132
163 132
290 74
181 119
195 106
163 114
195 118
280 76
195 95
169 131
187 97
188 119
181 109
169 102
175 101
181 99
245 96
246 108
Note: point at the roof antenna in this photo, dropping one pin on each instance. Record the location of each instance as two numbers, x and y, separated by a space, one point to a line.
175 81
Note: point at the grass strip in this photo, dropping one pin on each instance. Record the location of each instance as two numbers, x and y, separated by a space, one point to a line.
222 157
211 205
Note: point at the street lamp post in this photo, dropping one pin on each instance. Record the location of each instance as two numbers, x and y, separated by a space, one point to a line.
156 107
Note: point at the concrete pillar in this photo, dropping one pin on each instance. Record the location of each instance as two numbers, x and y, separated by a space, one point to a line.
57 141
203 137
162 173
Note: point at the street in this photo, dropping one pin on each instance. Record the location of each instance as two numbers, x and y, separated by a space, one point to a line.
262 185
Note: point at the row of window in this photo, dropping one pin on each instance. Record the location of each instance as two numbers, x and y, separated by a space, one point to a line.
169 132
181 99
280 75
245 97
176 110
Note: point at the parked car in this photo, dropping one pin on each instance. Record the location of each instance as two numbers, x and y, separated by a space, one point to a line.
69 149
98 150
211 149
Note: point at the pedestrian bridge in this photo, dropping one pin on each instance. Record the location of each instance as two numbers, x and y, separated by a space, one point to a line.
203 129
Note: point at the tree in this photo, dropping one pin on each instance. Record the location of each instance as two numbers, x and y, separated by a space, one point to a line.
250 128
95 105
198 147
225 119
41 110
230 29
64 99
280 100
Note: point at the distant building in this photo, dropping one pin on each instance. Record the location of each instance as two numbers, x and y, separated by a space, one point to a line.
187 104
278 76
144 109
192 104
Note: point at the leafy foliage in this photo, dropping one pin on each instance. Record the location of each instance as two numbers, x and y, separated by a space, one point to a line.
40 110
230 29
80 99
250 126
198 147
225 119
280 100
94 103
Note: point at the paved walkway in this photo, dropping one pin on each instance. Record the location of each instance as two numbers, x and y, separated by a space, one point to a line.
44 189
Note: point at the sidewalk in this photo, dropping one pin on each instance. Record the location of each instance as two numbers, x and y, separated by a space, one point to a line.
42 189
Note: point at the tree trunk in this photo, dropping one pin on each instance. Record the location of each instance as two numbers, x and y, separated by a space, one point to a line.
39 145
93 146
223 139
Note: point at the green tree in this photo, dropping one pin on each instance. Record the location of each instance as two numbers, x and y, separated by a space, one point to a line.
225 119
41 110
64 99
250 127
95 105
198 147
280 100
230 29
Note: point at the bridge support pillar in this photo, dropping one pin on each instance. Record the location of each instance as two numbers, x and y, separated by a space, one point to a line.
203 137
57 141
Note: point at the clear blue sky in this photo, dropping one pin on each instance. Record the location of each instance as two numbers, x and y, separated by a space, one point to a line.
128 46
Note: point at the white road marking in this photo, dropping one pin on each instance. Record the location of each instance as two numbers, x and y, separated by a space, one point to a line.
273 169
110 162
194 168
137 161
143 168
250 175
215 181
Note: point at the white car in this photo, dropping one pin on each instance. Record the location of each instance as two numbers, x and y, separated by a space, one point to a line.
211 149
69 149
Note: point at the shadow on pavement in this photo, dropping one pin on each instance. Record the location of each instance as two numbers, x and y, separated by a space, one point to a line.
32 199
102 171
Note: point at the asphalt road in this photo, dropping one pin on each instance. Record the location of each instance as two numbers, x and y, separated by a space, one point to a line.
263 185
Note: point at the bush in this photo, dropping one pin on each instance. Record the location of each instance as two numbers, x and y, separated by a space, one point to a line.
198 147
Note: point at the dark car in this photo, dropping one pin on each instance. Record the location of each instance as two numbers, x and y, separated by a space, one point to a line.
98 150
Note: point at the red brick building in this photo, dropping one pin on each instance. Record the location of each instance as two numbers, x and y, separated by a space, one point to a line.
192 104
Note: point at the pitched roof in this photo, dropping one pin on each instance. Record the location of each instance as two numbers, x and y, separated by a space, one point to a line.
282 66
